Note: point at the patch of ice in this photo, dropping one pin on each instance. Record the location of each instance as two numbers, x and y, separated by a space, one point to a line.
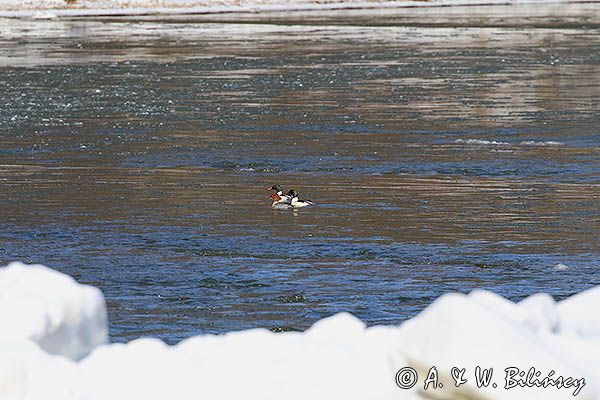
481 142
561 267
536 313
28 372
541 144
479 331
51 309
338 357
579 313
28 8
44 15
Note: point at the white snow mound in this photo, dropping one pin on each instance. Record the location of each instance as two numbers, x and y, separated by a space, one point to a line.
50 322
51 309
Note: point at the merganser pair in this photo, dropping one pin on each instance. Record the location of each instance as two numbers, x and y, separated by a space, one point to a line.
287 201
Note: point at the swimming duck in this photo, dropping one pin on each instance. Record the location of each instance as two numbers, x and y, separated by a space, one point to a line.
295 202
280 203
284 198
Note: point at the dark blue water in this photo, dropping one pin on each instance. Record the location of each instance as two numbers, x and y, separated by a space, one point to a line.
135 156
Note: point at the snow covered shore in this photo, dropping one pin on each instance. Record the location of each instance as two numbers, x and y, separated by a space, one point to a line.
50 323
77 8
52 310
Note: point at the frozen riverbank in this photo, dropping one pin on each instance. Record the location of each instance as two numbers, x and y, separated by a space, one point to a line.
337 357
76 8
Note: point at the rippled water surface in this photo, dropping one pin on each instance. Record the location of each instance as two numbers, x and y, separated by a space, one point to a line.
134 156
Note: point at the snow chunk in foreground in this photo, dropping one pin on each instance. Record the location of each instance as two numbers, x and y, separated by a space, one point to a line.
338 358
579 313
28 372
487 331
51 309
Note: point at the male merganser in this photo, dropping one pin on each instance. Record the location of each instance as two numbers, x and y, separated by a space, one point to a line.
280 203
284 198
296 203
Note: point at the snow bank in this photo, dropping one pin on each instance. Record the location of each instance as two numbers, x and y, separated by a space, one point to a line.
51 309
48 9
528 143
580 315
338 357
28 372
487 331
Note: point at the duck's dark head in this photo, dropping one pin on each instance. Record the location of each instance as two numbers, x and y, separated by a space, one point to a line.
276 188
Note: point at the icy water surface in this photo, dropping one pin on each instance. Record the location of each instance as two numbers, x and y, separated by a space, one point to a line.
135 156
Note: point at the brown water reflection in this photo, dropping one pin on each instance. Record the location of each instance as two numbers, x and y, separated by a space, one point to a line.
134 156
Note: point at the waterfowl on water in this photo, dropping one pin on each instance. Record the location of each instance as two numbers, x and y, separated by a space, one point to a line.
288 200
280 203
283 198
296 202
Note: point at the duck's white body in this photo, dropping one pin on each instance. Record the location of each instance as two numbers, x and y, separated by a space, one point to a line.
287 201
296 203
285 198
281 202
281 206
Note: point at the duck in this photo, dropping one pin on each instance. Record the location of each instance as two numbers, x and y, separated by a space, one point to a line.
280 203
283 198
295 202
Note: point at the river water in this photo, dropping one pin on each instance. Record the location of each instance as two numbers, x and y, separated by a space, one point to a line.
134 156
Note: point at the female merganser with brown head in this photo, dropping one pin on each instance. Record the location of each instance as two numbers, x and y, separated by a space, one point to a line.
280 203
279 191
284 198
296 203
